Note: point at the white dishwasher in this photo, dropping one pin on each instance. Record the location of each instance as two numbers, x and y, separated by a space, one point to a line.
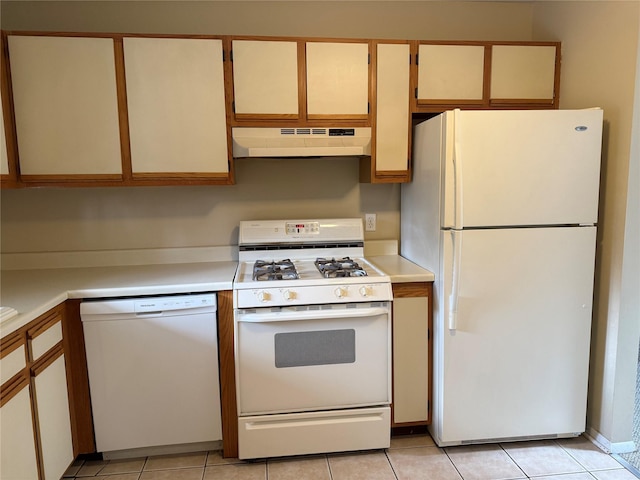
153 373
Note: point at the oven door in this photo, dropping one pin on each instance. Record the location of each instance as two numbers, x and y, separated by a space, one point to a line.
318 357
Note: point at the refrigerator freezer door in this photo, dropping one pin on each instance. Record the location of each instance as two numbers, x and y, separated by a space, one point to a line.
516 364
537 167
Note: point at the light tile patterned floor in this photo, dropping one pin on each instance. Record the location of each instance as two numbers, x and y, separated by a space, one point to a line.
409 458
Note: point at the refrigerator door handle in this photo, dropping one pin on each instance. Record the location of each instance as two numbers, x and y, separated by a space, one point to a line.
457 173
456 238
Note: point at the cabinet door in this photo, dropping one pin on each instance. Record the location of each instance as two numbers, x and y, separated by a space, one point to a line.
265 79
66 109
17 442
450 74
176 106
54 420
412 347
392 112
523 73
337 80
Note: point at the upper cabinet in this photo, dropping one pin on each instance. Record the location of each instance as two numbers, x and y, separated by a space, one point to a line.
337 80
84 109
522 74
66 108
450 74
176 108
299 81
390 159
265 79
486 75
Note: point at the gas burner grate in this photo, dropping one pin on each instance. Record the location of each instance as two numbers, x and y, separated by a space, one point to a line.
342 267
280 270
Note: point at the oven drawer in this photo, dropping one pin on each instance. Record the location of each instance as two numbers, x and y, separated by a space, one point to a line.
305 433
295 359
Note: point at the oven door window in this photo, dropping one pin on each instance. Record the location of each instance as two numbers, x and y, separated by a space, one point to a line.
323 347
297 359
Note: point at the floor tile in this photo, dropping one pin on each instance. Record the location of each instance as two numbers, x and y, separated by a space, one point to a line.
406 441
568 476
587 454
483 462
360 466
119 476
216 458
542 458
422 463
91 468
123 466
176 461
240 471
74 468
617 474
297 468
173 474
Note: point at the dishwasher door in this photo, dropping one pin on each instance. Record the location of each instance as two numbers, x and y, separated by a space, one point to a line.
153 371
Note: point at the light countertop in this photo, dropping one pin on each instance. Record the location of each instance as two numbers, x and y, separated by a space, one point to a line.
33 292
400 269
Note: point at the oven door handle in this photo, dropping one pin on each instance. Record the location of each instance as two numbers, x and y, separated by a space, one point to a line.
311 315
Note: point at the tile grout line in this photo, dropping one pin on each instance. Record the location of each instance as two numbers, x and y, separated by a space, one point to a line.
514 461
393 470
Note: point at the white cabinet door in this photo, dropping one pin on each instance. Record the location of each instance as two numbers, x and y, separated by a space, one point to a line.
337 78
54 419
450 72
392 100
66 108
524 72
265 77
176 104
410 359
17 444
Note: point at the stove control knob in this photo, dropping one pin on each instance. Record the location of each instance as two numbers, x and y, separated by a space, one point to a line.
366 291
288 295
264 296
340 292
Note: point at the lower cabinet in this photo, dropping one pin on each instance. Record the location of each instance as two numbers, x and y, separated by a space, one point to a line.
17 442
54 419
412 369
35 414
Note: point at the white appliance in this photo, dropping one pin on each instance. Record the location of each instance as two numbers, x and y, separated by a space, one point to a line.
503 209
312 340
153 374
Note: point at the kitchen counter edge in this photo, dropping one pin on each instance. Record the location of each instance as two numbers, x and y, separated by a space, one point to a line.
33 292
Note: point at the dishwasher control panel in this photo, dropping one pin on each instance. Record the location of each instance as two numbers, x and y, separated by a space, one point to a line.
180 302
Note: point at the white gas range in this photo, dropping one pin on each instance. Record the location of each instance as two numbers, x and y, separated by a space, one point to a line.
312 340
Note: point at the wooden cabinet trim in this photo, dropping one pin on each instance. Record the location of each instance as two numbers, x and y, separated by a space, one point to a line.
6 94
45 321
13 386
410 289
47 359
229 407
77 379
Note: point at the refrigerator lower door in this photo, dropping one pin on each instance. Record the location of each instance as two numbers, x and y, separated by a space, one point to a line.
513 362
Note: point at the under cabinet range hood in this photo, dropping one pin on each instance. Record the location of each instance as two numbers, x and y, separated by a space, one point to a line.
301 142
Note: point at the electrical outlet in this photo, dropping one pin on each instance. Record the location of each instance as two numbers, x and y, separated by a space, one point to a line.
370 222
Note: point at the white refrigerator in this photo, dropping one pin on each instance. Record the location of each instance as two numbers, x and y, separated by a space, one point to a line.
503 208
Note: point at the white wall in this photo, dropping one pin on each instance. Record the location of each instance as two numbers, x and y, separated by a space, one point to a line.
600 57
